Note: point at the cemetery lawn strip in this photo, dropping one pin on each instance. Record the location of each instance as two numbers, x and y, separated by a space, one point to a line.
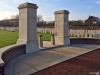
9 38
46 36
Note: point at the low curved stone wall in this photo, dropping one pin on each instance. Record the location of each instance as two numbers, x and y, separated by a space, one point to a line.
85 41
13 52
9 53
1 70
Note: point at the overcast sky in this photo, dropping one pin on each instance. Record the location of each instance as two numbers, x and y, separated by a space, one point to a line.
79 9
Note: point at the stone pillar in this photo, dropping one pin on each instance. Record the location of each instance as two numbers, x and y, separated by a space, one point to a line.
61 27
28 26
40 40
52 39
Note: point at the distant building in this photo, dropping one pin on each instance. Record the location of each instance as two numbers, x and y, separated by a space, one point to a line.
93 19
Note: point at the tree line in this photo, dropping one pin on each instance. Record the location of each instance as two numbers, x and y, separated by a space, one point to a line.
84 23
42 23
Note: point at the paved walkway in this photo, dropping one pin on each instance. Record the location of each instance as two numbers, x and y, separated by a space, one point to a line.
33 62
86 64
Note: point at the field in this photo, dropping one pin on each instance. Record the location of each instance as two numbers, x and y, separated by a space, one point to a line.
9 38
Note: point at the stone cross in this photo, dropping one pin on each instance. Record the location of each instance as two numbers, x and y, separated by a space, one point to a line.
28 26
61 27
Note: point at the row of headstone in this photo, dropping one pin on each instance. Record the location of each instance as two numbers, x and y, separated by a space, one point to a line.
73 33
84 33
45 30
9 28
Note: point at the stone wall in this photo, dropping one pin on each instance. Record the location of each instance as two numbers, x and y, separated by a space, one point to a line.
8 53
1 70
85 41
13 52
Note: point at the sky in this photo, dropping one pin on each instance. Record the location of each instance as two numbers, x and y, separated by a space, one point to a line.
79 9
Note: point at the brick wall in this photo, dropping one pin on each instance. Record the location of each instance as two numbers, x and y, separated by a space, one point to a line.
1 70
10 54
84 41
13 52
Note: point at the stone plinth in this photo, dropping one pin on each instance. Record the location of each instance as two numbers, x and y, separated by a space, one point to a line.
61 28
28 26
41 40
52 39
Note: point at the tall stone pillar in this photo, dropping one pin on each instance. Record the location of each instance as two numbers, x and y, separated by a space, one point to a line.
61 27
28 26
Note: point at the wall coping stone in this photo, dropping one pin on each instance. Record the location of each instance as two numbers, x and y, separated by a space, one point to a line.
27 5
61 12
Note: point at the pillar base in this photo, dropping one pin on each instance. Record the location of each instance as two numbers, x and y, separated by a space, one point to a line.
62 41
21 41
32 46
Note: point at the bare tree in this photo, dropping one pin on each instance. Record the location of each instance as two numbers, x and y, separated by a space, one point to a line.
39 18
15 16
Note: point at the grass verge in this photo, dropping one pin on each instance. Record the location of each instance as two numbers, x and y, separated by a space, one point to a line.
9 38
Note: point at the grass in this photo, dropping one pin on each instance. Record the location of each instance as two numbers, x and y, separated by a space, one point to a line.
9 38
46 36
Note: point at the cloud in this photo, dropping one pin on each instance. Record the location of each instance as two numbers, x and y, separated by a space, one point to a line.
98 2
1 1
16 1
6 14
48 18
21 1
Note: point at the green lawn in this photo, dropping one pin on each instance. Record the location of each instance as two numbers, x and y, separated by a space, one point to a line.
46 36
8 38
